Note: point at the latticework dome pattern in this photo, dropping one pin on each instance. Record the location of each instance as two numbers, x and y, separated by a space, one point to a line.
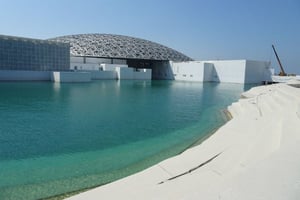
118 46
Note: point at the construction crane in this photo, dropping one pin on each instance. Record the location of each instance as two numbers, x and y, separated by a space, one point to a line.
282 72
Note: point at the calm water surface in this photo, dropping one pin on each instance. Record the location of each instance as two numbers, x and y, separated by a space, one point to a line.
57 138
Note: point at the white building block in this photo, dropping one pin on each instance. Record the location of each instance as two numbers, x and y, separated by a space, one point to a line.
71 77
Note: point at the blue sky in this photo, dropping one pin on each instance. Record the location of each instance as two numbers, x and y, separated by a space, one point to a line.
201 29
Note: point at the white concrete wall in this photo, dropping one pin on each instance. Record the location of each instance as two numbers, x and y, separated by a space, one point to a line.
19 75
162 71
124 73
112 71
142 74
229 71
188 71
128 73
97 67
82 66
71 77
192 71
103 75
112 67
208 72
257 71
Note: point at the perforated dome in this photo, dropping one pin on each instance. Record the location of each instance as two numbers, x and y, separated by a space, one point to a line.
118 46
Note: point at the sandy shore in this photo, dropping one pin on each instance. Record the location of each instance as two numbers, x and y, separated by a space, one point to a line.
256 155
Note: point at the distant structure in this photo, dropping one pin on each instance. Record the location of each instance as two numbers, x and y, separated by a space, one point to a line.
225 71
18 53
86 57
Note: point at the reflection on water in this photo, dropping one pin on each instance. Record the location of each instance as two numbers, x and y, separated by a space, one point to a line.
57 138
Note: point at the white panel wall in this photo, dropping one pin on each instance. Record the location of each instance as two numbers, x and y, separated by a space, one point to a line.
162 71
112 67
229 71
97 67
82 66
128 73
103 75
257 71
19 75
71 77
208 72
124 73
188 71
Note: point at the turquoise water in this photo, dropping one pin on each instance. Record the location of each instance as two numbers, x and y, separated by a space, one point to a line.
57 138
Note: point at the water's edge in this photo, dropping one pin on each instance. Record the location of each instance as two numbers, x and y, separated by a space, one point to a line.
226 116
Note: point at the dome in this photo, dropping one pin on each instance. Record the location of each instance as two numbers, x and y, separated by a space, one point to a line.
119 46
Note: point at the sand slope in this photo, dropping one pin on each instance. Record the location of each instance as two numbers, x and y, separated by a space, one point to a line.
256 155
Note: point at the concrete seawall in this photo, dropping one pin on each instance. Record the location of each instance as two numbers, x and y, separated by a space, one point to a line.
256 155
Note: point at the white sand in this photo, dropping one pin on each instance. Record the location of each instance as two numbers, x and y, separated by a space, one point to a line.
258 157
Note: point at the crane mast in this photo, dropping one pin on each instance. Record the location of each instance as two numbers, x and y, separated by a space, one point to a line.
282 72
